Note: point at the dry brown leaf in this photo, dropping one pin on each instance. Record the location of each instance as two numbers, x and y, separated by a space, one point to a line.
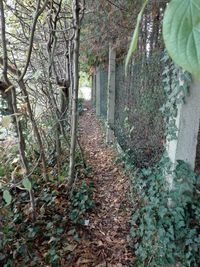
70 248
82 261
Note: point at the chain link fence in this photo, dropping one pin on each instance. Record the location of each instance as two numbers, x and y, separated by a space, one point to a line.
139 124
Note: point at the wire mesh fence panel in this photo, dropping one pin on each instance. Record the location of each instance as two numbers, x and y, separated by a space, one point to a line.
139 125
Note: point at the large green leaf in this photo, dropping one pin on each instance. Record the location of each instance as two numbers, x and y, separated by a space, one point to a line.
27 184
181 32
7 197
134 42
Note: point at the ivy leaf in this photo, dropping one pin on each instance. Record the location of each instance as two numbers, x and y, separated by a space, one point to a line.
134 42
27 184
181 33
7 197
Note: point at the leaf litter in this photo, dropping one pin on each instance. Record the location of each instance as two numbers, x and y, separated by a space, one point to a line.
110 220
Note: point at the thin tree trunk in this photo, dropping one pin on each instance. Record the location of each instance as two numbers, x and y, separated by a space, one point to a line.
70 76
74 115
21 140
35 128
24 162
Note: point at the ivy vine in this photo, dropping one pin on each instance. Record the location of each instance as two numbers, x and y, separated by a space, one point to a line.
176 83
163 234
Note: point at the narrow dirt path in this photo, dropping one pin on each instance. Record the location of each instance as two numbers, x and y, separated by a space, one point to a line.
109 224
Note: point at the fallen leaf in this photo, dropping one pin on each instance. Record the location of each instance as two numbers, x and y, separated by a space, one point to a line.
70 248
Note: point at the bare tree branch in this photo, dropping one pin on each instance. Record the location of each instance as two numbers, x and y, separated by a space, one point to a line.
37 14
5 56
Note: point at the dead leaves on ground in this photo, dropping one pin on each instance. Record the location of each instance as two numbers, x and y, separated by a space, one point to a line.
102 241
109 225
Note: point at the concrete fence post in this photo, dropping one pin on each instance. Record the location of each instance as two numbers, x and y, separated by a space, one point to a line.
98 91
187 122
111 95
94 90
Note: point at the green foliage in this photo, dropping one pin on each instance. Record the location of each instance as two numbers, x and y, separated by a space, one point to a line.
176 87
92 60
181 27
165 227
2 171
27 184
165 224
81 202
84 79
4 107
7 196
134 42
47 241
23 242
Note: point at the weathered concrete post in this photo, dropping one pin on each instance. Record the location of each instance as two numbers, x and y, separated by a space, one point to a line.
98 91
93 90
111 95
187 122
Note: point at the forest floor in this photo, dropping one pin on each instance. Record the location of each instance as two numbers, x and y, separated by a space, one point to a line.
109 222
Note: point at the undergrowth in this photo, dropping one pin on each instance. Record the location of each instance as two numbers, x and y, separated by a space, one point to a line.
51 239
165 226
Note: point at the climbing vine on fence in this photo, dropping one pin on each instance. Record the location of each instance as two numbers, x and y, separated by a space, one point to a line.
164 234
176 83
